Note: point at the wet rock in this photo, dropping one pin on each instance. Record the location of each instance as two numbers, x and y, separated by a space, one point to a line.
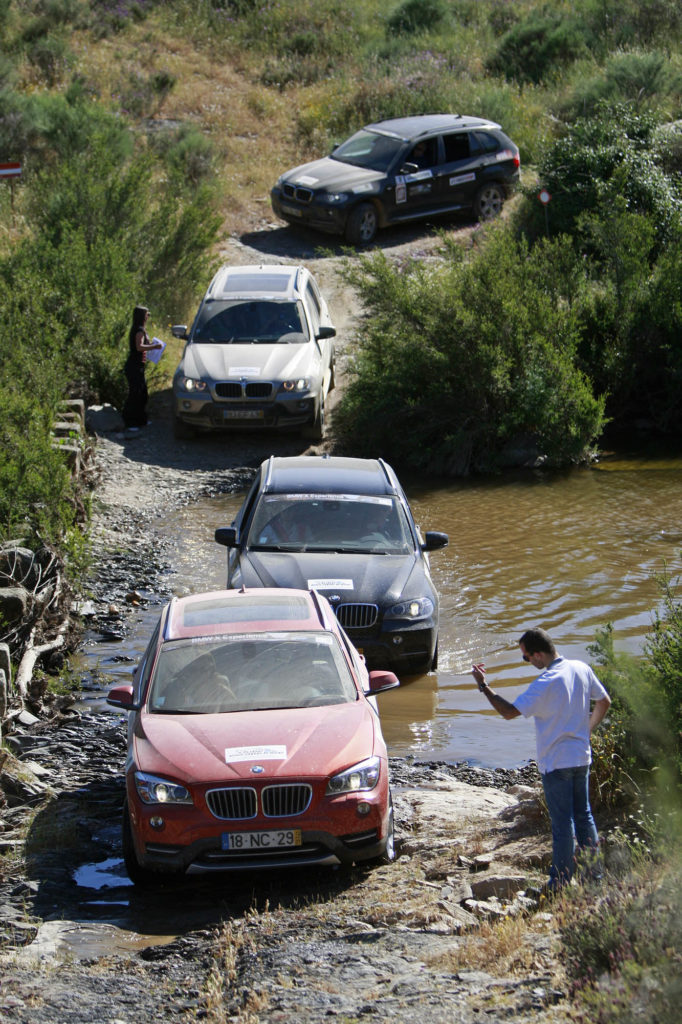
19 565
102 419
13 604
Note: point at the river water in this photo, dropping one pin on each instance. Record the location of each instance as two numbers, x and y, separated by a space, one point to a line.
570 552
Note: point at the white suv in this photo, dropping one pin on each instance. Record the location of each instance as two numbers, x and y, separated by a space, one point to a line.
259 354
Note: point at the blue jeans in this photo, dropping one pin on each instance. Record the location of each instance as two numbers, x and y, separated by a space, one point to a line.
568 803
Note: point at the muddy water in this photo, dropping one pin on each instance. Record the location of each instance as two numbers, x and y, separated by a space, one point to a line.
570 552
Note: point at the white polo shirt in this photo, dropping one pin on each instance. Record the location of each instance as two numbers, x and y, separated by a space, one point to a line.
559 701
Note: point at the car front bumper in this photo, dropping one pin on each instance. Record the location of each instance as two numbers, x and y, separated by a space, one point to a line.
190 839
203 413
321 216
405 650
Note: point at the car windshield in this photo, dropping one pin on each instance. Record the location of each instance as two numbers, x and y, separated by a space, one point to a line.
350 523
369 149
251 321
250 672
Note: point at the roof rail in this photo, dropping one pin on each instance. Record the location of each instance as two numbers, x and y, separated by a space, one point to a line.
320 610
169 607
267 476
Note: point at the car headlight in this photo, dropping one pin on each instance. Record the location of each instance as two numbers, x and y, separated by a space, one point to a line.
418 608
152 789
192 384
300 384
333 198
361 776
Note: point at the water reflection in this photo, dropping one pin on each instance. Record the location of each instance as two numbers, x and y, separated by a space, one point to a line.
570 552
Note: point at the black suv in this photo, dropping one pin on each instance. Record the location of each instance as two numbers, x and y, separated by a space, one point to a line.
404 169
344 527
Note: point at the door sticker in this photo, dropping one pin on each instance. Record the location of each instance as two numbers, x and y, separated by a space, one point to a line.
461 178
400 189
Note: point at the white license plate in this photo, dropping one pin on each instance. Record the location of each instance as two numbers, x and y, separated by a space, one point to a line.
291 210
243 414
261 840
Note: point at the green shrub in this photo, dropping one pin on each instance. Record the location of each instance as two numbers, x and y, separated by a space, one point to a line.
538 48
188 153
457 368
623 23
414 16
52 57
641 78
618 949
605 156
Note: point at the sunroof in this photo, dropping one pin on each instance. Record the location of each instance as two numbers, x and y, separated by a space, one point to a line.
254 609
271 284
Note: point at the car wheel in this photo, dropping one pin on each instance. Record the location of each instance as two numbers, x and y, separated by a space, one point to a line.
489 201
181 430
316 430
362 225
388 856
138 875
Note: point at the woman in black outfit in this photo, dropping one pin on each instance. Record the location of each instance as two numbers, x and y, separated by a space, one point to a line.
135 408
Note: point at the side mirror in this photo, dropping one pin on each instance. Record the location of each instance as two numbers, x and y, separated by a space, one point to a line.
380 680
409 168
434 540
122 697
179 331
325 332
227 536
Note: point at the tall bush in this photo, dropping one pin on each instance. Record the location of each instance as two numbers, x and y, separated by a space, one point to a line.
458 368
608 155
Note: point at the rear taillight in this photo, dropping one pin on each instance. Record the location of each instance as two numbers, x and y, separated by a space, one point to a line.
517 160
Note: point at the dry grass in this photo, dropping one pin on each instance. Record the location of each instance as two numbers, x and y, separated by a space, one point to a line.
502 948
251 127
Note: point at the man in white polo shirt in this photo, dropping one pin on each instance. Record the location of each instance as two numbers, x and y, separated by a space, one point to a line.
567 702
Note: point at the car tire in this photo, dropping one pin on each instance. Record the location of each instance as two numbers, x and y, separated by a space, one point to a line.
139 876
388 856
315 432
362 225
489 201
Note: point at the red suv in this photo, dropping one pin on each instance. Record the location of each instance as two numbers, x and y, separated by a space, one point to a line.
254 740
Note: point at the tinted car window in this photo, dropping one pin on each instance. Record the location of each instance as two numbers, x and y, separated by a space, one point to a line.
143 673
248 672
367 149
487 142
238 322
344 522
456 146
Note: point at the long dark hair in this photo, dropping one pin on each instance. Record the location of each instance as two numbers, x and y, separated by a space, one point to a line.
139 314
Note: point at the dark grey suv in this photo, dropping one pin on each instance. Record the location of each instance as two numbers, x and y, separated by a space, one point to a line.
408 168
344 527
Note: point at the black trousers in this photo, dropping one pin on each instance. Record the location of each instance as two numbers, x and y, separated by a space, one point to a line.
135 408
